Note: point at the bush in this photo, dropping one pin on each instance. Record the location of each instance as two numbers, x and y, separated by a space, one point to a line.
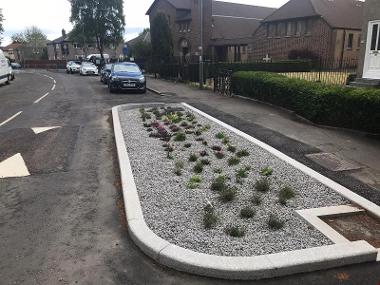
235 231
198 168
274 222
228 194
210 218
263 185
180 137
247 213
194 182
286 194
355 108
233 161
219 183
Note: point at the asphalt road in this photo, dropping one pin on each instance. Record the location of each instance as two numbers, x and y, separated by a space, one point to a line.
65 224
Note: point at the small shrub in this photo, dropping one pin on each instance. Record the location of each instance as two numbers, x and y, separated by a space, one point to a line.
205 162
267 171
228 194
205 143
231 148
190 117
187 145
219 154
180 137
198 133
179 164
257 200
218 170
193 157
235 231
242 172
194 182
210 219
226 141
275 223
233 161
175 128
178 171
247 213
219 183
242 153
263 185
216 148
286 194
220 135
198 167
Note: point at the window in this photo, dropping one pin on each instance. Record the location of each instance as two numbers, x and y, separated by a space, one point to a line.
298 28
308 27
375 30
350 41
289 29
359 41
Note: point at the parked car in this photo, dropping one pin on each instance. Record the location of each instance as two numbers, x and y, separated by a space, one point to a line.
126 76
15 65
5 77
73 66
10 71
88 68
105 73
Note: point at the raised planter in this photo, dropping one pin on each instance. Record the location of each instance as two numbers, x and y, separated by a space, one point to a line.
166 209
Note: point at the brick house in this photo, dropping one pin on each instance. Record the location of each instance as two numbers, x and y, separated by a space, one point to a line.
13 51
369 63
227 27
325 29
63 48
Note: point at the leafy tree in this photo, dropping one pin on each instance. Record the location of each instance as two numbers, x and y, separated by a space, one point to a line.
142 49
18 37
1 24
98 20
31 37
161 38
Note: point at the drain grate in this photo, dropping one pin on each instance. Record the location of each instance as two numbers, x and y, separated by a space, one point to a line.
332 162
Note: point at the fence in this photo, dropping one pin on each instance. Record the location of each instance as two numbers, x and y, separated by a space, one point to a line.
327 72
45 64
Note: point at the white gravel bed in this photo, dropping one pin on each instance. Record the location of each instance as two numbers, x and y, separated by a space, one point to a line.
175 213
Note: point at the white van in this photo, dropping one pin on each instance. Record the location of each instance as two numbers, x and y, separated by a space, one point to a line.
4 69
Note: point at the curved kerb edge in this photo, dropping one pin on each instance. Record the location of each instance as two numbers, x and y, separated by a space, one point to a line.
238 268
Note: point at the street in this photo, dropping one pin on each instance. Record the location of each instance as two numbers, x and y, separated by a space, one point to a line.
64 222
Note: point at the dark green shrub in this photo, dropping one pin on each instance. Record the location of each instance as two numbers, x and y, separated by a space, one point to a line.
187 145
220 135
267 171
218 170
231 148
263 185
235 231
205 162
355 108
193 157
286 194
228 194
233 161
210 219
219 183
247 213
198 167
180 137
256 200
219 154
275 223
194 182
242 153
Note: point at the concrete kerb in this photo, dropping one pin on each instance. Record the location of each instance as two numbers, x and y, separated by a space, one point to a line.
239 268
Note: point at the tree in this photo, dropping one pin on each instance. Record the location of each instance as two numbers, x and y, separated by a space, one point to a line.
31 37
142 49
1 25
98 20
18 37
161 38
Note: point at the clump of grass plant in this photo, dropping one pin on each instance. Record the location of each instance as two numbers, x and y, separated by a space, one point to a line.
226 141
193 157
180 137
274 222
233 161
219 183
242 153
210 219
262 185
194 182
247 213
235 231
187 145
266 171
286 194
205 161
257 200
220 135
198 167
218 170
243 172
219 154
231 148
228 194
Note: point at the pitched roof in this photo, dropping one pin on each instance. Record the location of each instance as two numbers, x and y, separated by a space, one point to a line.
240 10
178 4
12 46
337 13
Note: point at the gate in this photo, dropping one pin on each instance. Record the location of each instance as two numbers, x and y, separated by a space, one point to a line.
223 82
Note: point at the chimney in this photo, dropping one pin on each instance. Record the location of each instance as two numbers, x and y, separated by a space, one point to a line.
63 33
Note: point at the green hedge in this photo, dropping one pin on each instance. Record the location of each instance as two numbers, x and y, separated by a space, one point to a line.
353 108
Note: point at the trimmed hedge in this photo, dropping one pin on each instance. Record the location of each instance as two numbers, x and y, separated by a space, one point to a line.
353 108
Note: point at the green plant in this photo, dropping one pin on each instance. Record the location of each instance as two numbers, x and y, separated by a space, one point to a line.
169 155
198 167
210 219
198 132
274 222
178 171
179 164
205 162
180 137
187 145
219 154
233 161
231 148
206 128
226 140
194 182
267 171
219 183
242 153
242 172
228 194
205 143
263 185
193 157
220 135
286 193
256 200
235 231
247 213
218 170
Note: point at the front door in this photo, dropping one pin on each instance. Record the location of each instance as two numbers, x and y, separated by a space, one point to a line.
372 56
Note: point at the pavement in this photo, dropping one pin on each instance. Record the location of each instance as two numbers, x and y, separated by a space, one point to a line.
64 222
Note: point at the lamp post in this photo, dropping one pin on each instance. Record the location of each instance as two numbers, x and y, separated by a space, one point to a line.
201 46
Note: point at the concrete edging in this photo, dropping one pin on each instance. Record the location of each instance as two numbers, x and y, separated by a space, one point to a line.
239 268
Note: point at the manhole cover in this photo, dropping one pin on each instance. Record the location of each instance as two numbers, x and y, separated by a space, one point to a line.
356 227
332 162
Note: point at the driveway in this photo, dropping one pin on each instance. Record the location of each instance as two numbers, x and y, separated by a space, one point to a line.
64 223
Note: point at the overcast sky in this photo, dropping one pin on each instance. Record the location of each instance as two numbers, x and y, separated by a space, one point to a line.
53 15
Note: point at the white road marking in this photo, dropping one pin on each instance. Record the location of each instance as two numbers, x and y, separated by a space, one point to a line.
13 167
10 119
53 87
45 129
38 100
55 81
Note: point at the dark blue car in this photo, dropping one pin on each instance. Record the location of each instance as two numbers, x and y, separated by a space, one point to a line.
126 76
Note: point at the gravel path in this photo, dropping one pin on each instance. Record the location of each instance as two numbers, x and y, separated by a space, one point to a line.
175 212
